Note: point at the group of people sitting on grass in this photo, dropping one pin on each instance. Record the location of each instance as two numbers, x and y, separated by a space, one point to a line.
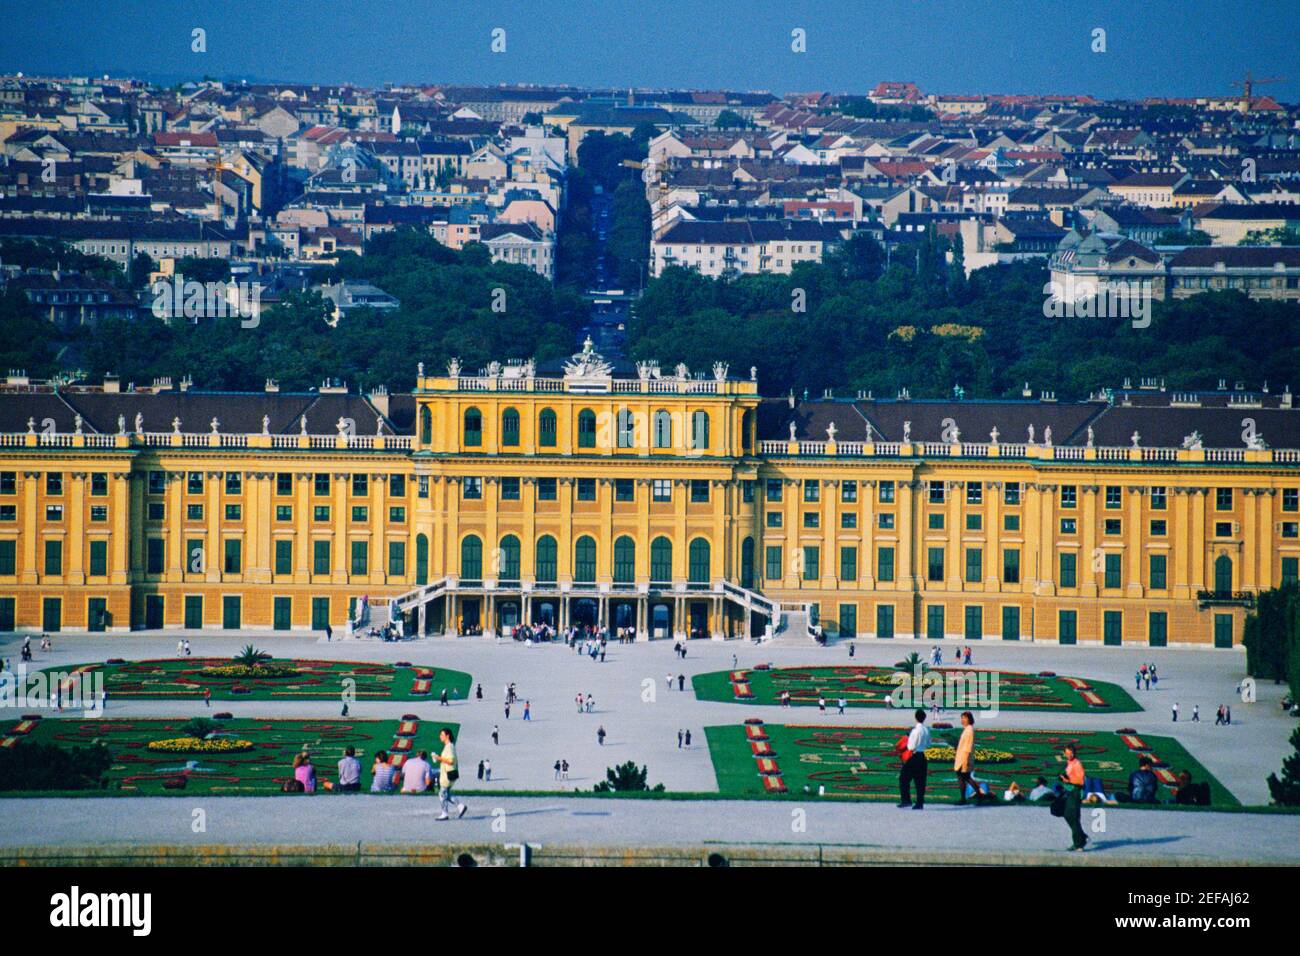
415 775
1143 787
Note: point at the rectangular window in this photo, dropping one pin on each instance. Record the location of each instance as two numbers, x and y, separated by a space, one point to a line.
284 512
1114 496
848 564
8 482
1159 498
472 488
937 492
98 558
422 486
848 620
774 519
360 514
935 522
1159 567
282 613
194 512
1011 522
234 556
812 519
1010 623
193 612
1113 527
9 556
194 483
157 482
194 556
974 493
283 484
974 522
1011 493
233 512
320 513
99 484
155 558
1069 569
974 623
1114 569
812 562
320 484
54 512
1159 528
320 557
1112 628
546 489
662 489
974 565
699 490
1068 627
1069 526
885 564
1223 529
234 483
812 490
397 486
624 489
360 485
1223 499
283 556
848 520
747 491
934 623
1290 529
1011 566
510 489
886 520
1290 571
935 569
360 557
1158 628
849 492
153 510
320 613
884 620
397 558
886 495
231 612
1291 499
1069 496
774 489
53 557
397 515
54 483
97 512
774 570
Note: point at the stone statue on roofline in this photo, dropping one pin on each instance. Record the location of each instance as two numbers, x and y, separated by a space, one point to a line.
266 424
1031 434
907 432
720 371
1255 442
453 368
139 423
176 425
830 432
76 424
1136 440
121 424
793 429
993 435
1090 436
216 424
1047 436
1193 442
303 431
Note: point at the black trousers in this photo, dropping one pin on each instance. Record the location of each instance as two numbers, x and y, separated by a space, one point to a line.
915 770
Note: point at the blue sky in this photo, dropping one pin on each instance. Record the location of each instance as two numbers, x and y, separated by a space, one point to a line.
1153 47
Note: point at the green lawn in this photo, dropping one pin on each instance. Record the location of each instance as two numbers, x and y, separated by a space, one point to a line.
868 685
859 761
188 677
261 770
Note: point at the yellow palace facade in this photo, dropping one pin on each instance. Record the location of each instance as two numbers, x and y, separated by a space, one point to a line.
676 503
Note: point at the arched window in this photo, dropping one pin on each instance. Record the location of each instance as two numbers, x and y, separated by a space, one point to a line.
510 428
546 558
426 425
547 430
586 428
624 560
471 558
473 428
584 560
747 563
700 430
626 428
1223 574
421 559
508 559
661 560
663 429
698 557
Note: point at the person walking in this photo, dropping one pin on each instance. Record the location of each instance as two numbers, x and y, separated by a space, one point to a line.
207 697
557 770
915 764
480 769
487 770
1175 711
528 710
448 774
329 633
853 648
1196 713
1073 780
442 699
841 703
496 735
478 692
600 735
680 735
564 770
1218 716
669 679
821 704
507 709
963 763
681 681
1137 680
688 739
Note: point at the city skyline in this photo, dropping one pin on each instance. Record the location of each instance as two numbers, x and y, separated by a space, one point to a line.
627 45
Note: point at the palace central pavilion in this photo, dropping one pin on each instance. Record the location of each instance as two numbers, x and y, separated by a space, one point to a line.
674 502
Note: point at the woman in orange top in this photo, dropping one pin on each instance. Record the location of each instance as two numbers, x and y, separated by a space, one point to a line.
1073 780
962 764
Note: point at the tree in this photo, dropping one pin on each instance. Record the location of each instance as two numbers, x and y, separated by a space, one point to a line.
730 119
1285 790
39 766
626 778
1184 237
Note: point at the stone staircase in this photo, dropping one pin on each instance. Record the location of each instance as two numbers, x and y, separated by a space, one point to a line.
793 628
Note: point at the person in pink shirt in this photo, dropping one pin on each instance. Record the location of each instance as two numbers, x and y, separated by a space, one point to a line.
304 773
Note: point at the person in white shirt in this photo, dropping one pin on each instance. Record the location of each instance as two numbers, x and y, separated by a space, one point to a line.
916 766
416 774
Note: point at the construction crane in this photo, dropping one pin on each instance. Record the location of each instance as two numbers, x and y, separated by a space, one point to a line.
1248 84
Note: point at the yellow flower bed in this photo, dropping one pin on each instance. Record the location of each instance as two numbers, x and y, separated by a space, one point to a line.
980 755
193 745
250 670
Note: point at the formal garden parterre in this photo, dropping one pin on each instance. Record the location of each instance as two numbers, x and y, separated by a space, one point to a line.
229 757
757 758
190 678
867 685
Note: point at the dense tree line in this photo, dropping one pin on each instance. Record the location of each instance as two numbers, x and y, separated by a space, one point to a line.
915 321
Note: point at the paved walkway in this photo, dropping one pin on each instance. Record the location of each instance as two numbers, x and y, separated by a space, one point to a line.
982 834
642 717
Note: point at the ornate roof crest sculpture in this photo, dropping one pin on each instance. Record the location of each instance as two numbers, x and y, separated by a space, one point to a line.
588 363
